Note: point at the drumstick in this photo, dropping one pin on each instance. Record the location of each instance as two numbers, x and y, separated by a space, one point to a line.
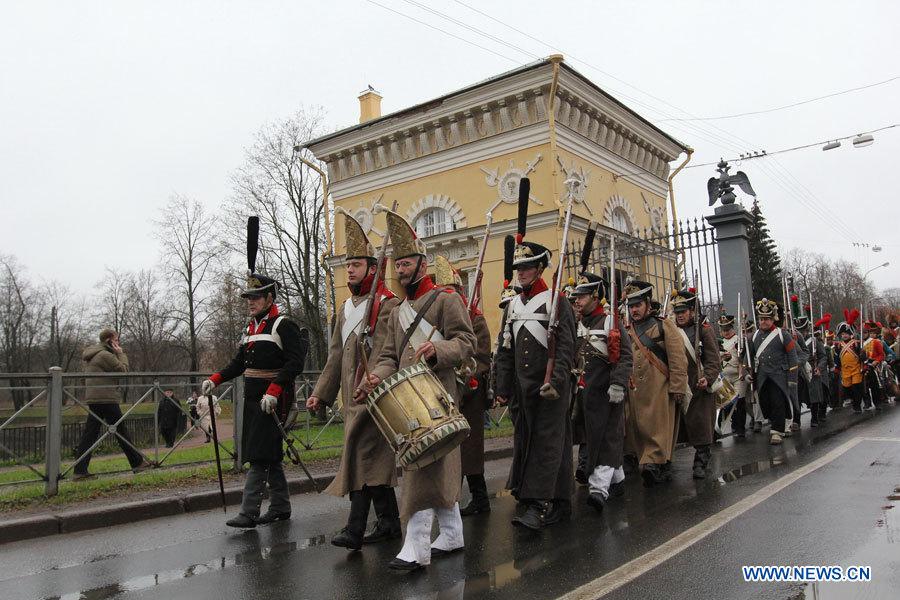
428 339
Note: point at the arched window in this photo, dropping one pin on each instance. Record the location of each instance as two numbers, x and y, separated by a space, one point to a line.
433 221
620 220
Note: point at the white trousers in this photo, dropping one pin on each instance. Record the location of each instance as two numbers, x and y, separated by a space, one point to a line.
599 480
417 544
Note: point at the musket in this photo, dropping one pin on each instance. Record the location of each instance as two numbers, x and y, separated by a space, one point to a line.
614 338
815 363
553 324
664 310
475 298
697 325
745 343
370 315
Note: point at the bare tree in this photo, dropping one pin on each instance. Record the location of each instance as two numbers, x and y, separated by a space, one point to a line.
22 312
69 329
114 299
835 285
186 235
150 326
229 317
287 197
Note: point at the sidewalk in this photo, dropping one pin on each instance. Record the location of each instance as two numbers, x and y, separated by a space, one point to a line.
142 505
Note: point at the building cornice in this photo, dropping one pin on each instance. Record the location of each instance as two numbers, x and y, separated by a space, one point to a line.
442 132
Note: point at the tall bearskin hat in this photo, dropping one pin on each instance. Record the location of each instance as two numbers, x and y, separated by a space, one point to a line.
404 241
527 254
257 283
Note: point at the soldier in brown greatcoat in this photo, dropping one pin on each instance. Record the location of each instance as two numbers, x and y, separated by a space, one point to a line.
660 380
699 421
437 326
368 471
472 380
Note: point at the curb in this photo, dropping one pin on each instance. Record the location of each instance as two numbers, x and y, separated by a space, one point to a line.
131 512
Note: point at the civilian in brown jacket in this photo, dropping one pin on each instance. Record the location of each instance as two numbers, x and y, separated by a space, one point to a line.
103 398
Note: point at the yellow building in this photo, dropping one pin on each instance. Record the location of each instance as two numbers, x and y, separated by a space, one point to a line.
448 161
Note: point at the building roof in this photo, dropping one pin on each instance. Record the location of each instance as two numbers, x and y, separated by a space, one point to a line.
429 104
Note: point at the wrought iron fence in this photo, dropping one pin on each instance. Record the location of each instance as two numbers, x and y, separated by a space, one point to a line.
685 254
39 439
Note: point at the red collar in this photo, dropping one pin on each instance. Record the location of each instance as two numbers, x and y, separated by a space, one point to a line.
424 286
365 285
255 326
537 287
598 312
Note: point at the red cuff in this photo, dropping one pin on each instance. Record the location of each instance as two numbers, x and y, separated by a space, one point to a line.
274 390
216 379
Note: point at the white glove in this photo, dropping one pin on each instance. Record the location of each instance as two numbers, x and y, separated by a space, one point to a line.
548 392
207 387
268 403
616 394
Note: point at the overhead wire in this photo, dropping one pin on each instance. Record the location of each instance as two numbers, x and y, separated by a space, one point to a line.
690 127
792 105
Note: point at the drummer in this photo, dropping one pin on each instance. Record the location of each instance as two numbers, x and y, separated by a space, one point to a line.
368 471
431 324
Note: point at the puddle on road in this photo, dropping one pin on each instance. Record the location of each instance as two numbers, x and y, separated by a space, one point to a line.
217 564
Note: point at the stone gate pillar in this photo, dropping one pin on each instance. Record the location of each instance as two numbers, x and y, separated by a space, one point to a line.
732 222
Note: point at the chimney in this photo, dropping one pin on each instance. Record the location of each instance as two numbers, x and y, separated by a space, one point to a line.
369 105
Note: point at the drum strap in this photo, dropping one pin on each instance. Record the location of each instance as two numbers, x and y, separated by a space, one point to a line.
419 316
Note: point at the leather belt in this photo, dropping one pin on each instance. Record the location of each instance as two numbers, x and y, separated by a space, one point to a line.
260 374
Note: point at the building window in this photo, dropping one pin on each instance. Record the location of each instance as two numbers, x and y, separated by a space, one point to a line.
620 220
433 221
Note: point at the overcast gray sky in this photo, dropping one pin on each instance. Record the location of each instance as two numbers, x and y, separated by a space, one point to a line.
107 108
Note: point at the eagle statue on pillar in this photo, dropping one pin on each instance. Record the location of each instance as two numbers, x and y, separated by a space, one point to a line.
720 188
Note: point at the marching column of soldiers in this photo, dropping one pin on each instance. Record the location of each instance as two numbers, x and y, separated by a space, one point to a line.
610 364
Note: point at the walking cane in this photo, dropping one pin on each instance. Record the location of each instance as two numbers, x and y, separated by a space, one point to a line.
215 437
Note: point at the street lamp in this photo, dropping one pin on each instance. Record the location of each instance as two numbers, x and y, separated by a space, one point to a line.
863 139
866 274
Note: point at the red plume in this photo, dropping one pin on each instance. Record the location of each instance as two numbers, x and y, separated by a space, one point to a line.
794 297
852 316
825 320
846 315
807 308
473 383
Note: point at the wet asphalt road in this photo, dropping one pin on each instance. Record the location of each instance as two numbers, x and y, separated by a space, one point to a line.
838 514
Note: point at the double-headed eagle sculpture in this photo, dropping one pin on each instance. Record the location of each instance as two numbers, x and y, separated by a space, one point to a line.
721 188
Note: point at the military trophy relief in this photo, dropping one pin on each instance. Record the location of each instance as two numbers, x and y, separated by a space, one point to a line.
507 184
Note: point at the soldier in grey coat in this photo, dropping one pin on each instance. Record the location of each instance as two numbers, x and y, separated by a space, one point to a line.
820 363
774 355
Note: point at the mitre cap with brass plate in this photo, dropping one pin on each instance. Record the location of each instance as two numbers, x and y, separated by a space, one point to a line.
404 240
444 273
358 244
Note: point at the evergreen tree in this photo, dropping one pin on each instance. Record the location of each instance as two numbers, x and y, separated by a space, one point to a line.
765 265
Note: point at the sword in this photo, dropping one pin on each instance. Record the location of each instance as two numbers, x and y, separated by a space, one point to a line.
215 438
294 454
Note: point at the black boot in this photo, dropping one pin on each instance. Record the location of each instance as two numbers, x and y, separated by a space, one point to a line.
701 461
351 536
241 521
387 525
652 474
540 513
480 502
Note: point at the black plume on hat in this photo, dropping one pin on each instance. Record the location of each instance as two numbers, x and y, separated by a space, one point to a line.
252 242
524 192
588 247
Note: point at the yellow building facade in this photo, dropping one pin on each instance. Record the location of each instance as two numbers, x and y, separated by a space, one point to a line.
449 161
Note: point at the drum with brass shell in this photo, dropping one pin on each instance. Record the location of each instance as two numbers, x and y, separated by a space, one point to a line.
417 416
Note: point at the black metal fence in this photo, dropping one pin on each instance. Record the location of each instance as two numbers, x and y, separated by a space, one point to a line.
684 255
